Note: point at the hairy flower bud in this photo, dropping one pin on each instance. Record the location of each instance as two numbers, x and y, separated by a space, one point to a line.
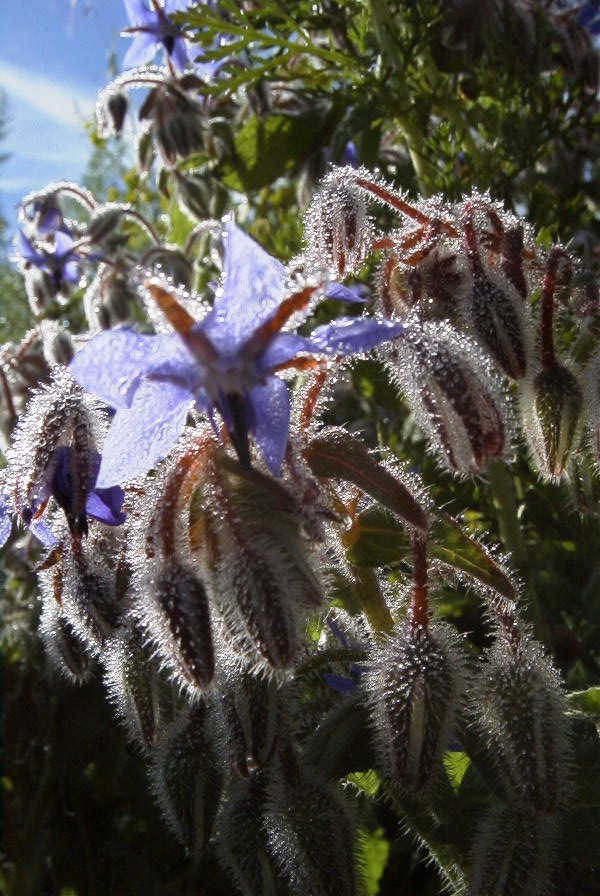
298 807
116 105
262 580
518 706
414 682
133 685
251 718
179 623
66 649
456 398
186 779
513 854
337 228
494 310
551 405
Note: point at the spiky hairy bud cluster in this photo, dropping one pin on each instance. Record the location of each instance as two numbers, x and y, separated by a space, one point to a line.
209 564
414 683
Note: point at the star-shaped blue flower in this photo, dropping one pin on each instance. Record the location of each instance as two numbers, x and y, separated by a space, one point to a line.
102 504
152 29
227 362
60 260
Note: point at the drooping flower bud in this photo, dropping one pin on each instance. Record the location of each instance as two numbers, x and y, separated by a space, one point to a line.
513 853
134 684
54 451
298 806
414 682
182 627
241 839
186 778
518 706
551 407
115 109
66 649
494 310
263 581
337 228
250 718
457 399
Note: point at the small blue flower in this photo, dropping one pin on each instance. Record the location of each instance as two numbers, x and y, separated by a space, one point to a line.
227 363
153 29
60 260
102 504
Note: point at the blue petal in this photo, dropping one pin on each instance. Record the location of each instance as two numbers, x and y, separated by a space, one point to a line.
252 288
271 412
111 364
5 519
104 504
179 54
138 14
341 293
43 533
353 334
143 434
26 250
142 50
283 347
63 244
175 6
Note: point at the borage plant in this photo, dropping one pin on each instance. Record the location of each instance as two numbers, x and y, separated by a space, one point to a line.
315 664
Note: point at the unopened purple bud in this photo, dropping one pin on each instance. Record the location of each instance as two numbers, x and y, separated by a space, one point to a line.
514 853
456 398
552 405
185 641
519 709
415 680
185 777
337 226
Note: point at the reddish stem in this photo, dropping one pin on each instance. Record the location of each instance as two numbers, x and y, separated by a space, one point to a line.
419 605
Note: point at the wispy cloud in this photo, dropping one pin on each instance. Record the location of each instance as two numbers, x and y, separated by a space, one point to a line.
60 103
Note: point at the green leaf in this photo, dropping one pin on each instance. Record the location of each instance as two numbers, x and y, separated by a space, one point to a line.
336 454
587 701
373 850
377 538
266 149
456 763
367 781
453 547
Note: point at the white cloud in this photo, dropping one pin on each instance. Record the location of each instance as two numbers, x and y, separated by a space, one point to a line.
60 103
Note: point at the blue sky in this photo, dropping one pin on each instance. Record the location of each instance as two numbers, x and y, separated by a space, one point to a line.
53 61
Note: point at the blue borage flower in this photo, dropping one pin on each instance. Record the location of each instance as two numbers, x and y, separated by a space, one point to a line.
152 29
60 260
226 363
102 504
